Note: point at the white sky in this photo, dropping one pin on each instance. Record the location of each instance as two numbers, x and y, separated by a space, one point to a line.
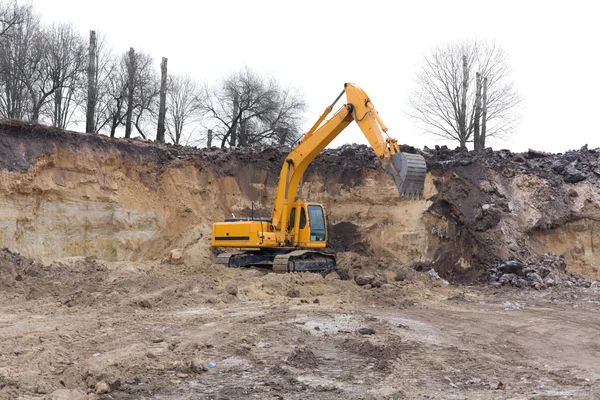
553 48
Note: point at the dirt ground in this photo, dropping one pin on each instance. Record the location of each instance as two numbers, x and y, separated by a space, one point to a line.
82 328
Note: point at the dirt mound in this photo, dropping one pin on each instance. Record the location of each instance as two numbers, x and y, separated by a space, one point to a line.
303 358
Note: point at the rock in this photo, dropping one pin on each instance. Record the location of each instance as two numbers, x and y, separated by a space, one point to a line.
366 331
102 387
511 267
486 207
332 276
364 279
536 154
573 175
559 165
176 256
573 193
231 288
519 282
473 381
401 276
145 303
316 301
519 158
486 187
492 278
535 278
379 282
293 293
507 278
198 366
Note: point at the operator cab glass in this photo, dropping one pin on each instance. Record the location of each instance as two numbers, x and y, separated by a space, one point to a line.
316 219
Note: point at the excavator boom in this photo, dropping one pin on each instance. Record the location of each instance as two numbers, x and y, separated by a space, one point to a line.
290 240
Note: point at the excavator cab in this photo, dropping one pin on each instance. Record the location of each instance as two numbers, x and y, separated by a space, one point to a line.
307 225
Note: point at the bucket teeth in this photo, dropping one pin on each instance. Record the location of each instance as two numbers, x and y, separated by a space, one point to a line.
408 172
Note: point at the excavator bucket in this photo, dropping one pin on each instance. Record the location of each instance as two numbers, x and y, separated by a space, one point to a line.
408 171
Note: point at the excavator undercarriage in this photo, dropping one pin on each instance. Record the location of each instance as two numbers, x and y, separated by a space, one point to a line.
279 260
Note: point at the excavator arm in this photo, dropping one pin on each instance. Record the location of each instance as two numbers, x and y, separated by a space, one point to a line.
407 170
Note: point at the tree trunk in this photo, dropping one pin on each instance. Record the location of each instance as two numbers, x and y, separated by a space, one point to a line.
463 105
243 137
58 109
483 114
283 136
209 138
476 140
130 90
162 110
91 94
236 111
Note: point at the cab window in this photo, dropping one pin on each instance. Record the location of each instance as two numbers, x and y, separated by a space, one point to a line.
292 220
317 223
302 218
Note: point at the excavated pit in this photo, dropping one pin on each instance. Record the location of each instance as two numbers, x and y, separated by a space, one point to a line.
69 194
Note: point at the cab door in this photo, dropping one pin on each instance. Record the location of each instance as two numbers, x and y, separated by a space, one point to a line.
312 227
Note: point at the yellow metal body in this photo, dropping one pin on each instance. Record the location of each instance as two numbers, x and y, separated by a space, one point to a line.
285 228
300 232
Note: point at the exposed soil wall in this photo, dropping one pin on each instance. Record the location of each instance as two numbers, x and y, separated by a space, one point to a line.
70 194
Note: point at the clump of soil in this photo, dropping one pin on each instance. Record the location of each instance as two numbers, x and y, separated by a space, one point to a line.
345 236
303 358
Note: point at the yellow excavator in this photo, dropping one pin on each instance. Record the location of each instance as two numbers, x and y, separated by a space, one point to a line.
295 236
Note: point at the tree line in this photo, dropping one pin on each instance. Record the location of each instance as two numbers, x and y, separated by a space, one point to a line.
51 74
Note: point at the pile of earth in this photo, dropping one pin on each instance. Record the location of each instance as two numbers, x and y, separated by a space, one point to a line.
549 271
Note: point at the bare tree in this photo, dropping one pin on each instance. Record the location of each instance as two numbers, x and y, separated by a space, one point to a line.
11 15
146 94
65 64
18 60
246 108
184 105
444 102
125 86
107 88
115 88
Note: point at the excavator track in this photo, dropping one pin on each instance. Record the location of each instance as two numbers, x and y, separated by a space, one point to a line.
304 261
279 260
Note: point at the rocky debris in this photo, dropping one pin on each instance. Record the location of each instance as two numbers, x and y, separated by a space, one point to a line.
571 167
102 387
364 279
198 366
176 256
231 288
432 273
366 331
549 271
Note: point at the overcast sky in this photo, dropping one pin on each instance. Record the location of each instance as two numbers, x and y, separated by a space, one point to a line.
553 49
